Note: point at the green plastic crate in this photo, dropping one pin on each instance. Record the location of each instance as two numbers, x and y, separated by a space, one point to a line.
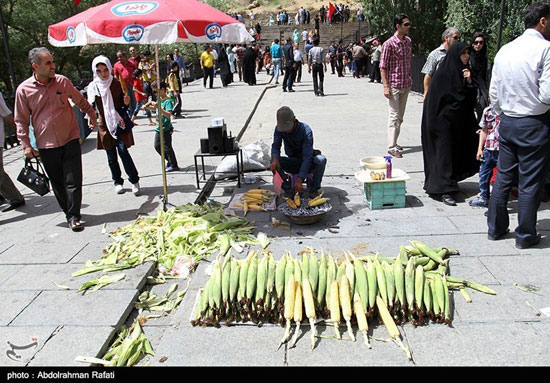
385 195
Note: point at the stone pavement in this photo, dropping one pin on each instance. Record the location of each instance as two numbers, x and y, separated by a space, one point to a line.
36 249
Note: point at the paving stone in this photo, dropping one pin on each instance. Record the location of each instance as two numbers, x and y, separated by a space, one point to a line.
102 308
20 344
72 341
14 302
40 253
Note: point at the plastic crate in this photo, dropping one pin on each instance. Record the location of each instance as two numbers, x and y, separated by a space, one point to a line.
385 195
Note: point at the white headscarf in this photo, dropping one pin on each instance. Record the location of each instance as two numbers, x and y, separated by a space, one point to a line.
99 87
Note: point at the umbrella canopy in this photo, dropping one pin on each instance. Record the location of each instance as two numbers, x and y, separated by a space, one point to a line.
148 22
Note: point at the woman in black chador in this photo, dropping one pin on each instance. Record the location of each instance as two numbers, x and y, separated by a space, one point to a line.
249 65
223 64
478 63
449 139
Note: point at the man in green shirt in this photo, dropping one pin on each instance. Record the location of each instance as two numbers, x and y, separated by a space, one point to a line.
167 105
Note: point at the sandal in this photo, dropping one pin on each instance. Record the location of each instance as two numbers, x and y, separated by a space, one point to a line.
75 225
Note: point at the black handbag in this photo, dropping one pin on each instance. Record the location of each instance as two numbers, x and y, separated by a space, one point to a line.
34 178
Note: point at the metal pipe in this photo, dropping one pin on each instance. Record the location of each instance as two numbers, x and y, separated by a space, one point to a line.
499 40
7 49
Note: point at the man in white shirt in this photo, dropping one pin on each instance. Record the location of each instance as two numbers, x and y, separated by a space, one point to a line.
8 191
520 93
298 60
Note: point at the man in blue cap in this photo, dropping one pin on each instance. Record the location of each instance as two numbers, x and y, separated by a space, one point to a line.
301 159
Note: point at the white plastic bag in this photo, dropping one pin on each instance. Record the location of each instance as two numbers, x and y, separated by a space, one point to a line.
256 156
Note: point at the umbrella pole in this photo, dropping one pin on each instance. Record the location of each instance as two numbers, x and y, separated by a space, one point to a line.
161 133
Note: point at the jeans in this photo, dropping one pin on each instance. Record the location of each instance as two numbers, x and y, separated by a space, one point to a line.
132 95
127 162
276 68
488 163
292 165
524 150
288 80
139 104
169 154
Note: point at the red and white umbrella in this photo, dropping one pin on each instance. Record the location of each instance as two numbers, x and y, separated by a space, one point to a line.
148 22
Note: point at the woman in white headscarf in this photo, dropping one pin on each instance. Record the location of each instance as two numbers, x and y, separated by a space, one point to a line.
114 123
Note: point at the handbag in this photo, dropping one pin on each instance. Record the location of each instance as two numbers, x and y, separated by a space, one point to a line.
34 178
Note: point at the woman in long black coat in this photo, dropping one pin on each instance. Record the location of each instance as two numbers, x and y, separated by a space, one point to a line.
478 63
249 65
449 139
223 64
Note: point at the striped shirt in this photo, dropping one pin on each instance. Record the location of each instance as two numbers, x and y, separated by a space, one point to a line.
434 59
396 60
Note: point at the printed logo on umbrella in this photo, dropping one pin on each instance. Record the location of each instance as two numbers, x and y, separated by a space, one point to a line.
132 8
71 34
133 32
213 31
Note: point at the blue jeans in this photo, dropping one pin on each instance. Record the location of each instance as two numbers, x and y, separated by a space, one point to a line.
276 68
488 163
132 96
292 165
139 104
127 162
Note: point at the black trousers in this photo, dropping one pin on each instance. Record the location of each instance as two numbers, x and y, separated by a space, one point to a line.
288 80
64 168
208 72
375 73
169 154
524 152
298 72
318 77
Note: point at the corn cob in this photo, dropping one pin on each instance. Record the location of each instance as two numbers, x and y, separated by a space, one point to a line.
322 283
280 276
435 301
372 283
305 266
251 279
427 296
409 284
350 274
399 278
297 199
439 294
261 280
390 325
271 269
362 323
233 280
331 276
297 270
317 202
320 195
428 251
334 307
390 283
345 302
226 275
291 203
309 304
298 303
341 271
204 299
313 271
418 287
217 286
465 295
243 275
381 281
290 297
447 311
289 268
361 282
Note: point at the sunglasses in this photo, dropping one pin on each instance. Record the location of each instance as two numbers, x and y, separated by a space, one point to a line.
456 37
407 24
478 42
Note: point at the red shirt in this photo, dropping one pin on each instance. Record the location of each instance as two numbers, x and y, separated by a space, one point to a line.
138 86
396 60
124 70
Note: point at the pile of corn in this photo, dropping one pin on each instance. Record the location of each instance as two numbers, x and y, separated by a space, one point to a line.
413 286
296 202
255 199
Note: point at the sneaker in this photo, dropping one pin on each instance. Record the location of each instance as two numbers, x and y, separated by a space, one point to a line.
398 147
135 188
395 153
172 169
119 189
480 202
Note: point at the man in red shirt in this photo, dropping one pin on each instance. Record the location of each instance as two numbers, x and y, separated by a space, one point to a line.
123 70
395 68
44 98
